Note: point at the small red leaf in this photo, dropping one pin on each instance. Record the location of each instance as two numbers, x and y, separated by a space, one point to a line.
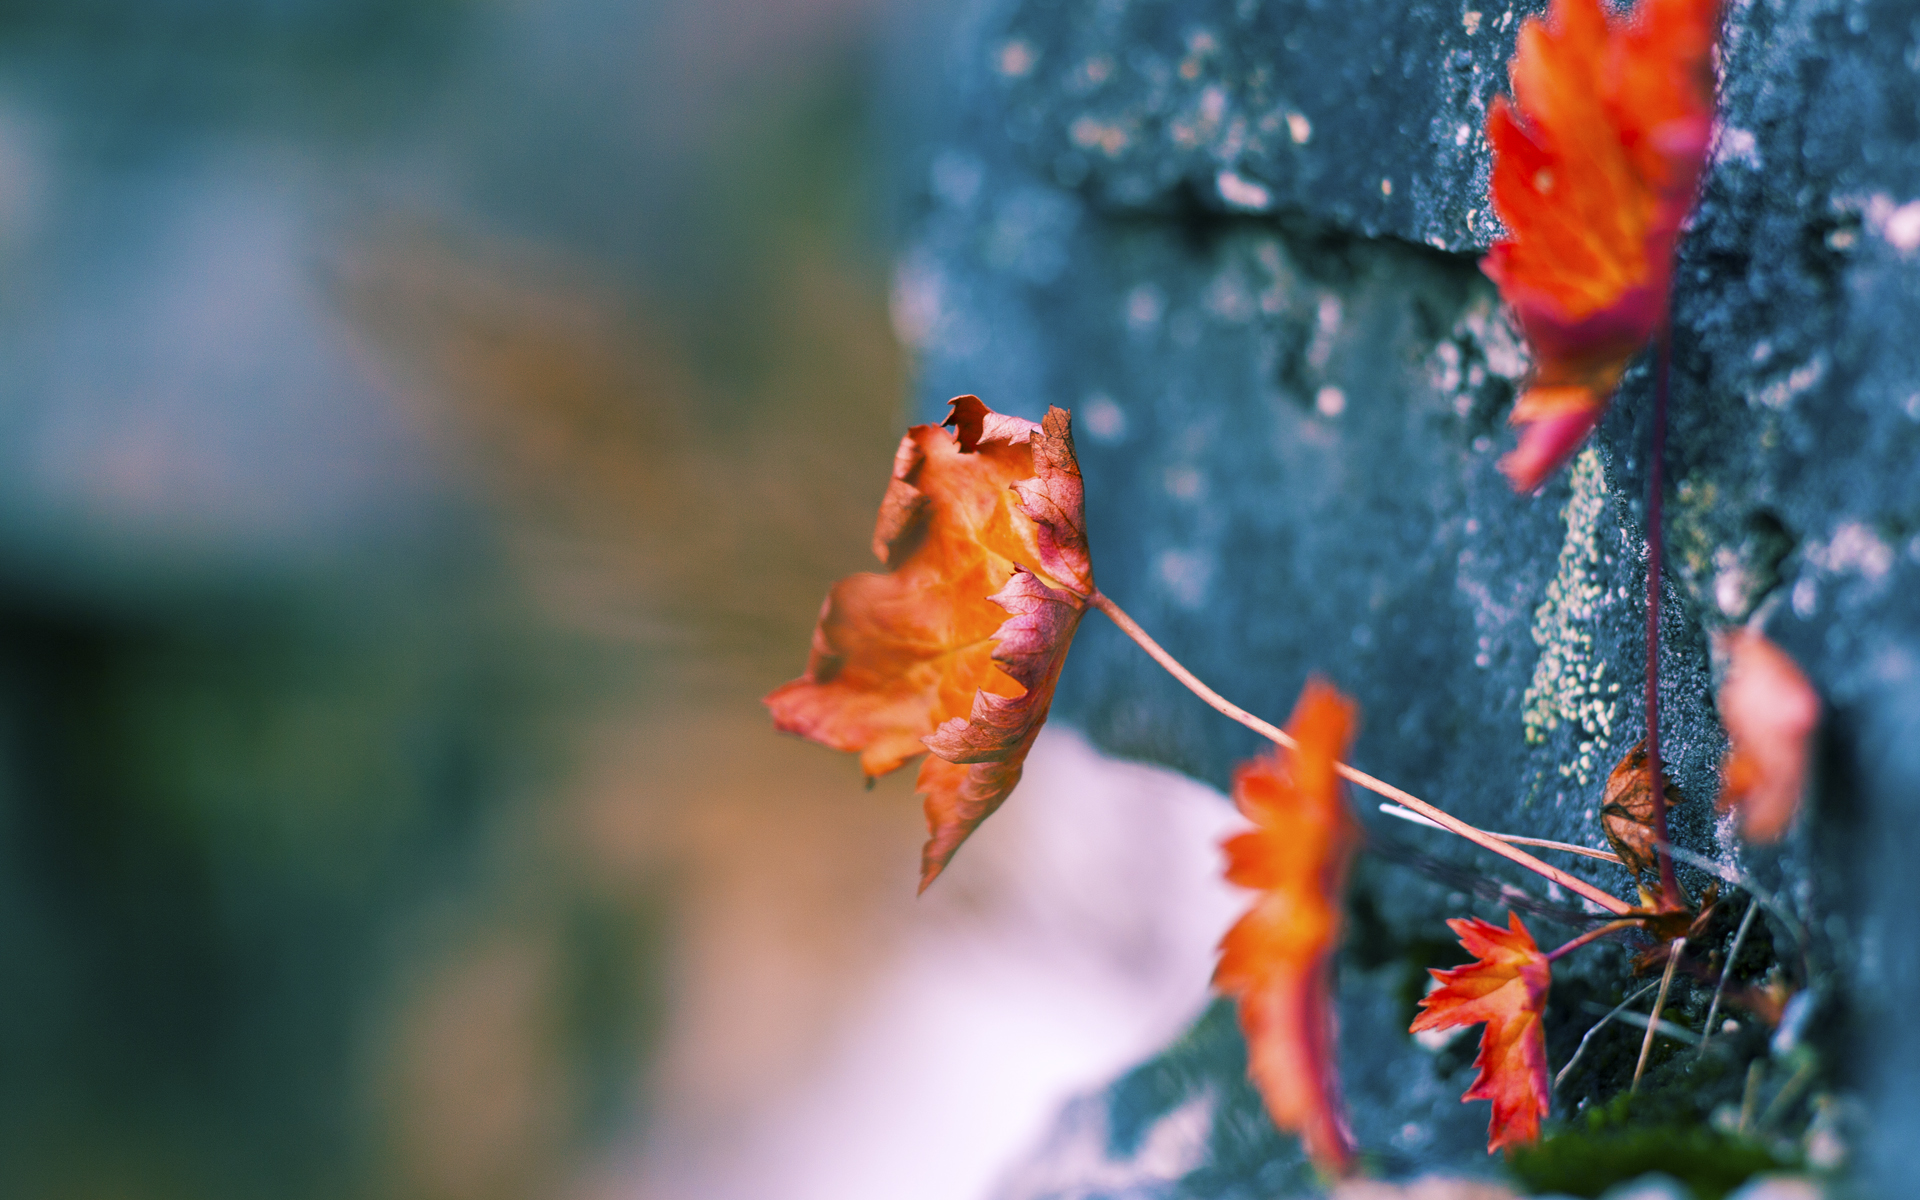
1507 989
1277 959
1596 160
1770 711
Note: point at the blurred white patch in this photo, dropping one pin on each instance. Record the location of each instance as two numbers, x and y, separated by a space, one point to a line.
1186 574
1736 145
1072 937
915 302
1185 483
1145 305
1240 192
956 177
1016 58
1078 1160
1330 401
1105 420
1853 549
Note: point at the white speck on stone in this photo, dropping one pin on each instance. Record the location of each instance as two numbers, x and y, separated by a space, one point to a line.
1461 135
1902 229
1330 401
1108 137
1762 350
1506 18
1186 574
1299 128
1897 224
1104 419
1732 586
1443 370
1806 598
1016 58
1145 305
1500 344
1326 326
1240 192
1386 187
1470 21
1213 103
1855 549
1734 144
1569 685
1781 392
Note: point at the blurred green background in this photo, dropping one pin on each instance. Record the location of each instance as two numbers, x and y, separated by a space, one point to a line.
426 426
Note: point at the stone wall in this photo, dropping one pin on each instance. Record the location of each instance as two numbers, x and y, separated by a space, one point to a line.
1239 239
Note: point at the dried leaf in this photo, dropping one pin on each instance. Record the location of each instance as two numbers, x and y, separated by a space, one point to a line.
957 648
1276 960
1507 989
1770 711
1596 161
1626 813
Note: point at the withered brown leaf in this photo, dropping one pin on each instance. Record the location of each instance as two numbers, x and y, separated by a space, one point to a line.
1626 813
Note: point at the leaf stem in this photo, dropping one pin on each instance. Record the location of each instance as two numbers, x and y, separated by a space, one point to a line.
1726 969
1674 949
1445 820
1590 936
1394 810
1597 1025
1670 895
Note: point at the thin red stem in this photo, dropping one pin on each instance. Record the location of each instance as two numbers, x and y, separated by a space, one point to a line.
1656 780
1591 935
1440 817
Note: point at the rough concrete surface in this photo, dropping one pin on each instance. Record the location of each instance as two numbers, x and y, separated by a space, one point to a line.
1239 240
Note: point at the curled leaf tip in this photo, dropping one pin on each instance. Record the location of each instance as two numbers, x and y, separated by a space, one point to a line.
1770 711
958 645
1277 959
1506 988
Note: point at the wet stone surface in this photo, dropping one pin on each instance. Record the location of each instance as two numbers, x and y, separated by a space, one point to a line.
1289 413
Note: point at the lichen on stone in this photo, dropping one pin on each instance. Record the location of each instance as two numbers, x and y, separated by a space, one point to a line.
1570 683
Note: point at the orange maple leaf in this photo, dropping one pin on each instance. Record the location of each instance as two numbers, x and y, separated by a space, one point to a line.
1276 960
1596 162
1770 711
1507 989
958 646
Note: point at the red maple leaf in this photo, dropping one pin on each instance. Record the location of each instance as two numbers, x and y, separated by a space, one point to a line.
1770 711
1596 162
1507 989
958 646
1277 959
